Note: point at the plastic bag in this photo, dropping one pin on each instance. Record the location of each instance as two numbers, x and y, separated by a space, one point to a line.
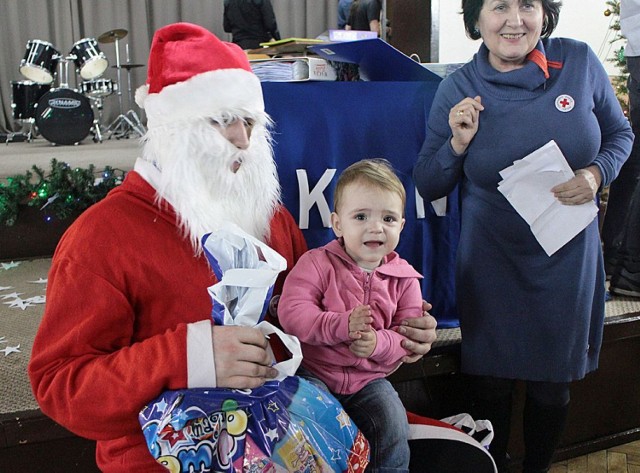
283 426
456 444
286 425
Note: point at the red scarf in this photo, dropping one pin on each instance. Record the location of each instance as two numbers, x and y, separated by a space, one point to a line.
540 59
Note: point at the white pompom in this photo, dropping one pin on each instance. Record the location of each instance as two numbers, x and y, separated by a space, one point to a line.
141 95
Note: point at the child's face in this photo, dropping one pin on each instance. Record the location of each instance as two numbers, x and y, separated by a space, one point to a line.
370 221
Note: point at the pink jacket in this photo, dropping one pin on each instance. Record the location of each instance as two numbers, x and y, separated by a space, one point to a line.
320 292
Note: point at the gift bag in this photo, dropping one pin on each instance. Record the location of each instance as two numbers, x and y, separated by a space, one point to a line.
457 444
282 426
286 425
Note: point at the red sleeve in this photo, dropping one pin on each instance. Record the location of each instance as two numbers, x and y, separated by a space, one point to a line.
287 239
85 370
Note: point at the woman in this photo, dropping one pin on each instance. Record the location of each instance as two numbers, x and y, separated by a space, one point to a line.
524 315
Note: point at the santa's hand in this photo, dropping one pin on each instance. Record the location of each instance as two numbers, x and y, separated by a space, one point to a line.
241 357
420 333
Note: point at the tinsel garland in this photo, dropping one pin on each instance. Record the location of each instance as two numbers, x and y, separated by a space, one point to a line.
58 193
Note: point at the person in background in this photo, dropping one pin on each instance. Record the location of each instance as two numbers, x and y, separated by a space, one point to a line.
345 300
344 6
524 315
128 313
250 22
620 230
364 15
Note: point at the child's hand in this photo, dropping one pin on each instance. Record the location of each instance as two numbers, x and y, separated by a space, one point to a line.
365 345
360 321
361 332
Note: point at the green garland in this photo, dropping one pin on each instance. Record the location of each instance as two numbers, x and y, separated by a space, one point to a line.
60 193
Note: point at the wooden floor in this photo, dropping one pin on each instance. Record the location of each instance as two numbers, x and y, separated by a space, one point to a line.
621 459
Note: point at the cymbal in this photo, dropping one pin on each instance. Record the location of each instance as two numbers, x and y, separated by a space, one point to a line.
111 36
129 66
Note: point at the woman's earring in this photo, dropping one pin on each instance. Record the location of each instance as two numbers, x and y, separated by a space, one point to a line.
476 31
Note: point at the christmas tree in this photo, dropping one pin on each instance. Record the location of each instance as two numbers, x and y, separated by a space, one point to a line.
620 81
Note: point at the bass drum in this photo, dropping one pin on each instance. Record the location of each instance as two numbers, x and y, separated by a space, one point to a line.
64 116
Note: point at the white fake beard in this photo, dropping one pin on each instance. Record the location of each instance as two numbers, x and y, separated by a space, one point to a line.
196 162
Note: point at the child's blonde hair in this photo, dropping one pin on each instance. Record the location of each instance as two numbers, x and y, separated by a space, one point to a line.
377 172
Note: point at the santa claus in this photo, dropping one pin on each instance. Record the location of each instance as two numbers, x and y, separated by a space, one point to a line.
128 314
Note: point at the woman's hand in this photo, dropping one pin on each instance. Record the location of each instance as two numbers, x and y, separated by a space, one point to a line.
463 121
579 189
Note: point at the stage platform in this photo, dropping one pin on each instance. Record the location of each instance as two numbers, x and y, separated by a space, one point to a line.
16 157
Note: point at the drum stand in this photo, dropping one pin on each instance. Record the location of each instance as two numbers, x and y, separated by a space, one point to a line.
97 132
128 122
18 136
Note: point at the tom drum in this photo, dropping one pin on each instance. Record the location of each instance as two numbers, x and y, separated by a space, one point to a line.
40 61
63 116
89 60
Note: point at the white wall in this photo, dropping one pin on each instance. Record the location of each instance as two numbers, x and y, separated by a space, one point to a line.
579 19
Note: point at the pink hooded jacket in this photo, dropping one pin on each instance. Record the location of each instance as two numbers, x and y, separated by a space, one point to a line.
320 292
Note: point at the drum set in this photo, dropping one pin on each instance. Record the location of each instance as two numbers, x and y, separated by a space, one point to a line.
64 115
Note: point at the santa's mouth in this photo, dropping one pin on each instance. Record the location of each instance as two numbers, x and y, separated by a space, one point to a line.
236 165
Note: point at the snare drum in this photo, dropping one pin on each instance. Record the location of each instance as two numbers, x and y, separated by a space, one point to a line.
24 98
90 61
98 88
64 116
40 62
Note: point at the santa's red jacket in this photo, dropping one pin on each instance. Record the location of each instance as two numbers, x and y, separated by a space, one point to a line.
123 288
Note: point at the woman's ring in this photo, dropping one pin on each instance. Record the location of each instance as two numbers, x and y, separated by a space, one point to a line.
460 113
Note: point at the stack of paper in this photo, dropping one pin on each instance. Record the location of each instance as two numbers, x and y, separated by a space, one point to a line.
280 71
527 186
293 69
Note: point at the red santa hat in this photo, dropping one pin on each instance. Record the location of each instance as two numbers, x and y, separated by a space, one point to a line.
193 74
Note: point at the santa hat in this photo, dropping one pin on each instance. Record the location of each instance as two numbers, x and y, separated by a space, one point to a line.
194 74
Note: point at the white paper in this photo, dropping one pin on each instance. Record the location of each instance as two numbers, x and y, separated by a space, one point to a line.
440 206
527 186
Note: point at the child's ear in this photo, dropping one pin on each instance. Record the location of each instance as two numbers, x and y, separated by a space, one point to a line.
335 224
402 224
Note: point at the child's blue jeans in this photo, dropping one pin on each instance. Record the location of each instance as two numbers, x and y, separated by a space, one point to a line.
381 417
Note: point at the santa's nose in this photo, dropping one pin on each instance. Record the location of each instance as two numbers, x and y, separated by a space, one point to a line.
238 134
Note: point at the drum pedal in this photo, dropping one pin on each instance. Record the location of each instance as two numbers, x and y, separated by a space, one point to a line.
14 137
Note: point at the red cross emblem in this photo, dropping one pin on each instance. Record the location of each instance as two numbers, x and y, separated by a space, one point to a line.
565 103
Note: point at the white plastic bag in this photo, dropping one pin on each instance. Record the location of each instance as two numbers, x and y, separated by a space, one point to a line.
246 269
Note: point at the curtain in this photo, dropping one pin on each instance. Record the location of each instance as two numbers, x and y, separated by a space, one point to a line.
66 23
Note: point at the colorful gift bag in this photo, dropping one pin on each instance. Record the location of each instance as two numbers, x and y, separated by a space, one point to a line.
282 426
286 425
